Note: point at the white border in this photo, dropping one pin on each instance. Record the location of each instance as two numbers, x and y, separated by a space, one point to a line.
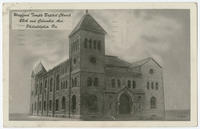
193 47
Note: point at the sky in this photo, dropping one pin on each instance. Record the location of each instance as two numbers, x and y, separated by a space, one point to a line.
131 35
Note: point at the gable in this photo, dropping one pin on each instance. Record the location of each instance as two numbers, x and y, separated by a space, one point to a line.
88 23
144 61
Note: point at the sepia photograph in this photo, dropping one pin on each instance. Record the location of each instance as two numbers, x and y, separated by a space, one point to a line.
103 64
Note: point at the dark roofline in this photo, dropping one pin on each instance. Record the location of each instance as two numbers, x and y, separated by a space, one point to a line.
156 62
150 58
80 22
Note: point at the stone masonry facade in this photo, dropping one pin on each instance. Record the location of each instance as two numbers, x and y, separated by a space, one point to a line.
91 84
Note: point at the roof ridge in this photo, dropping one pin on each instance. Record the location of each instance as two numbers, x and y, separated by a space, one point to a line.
83 22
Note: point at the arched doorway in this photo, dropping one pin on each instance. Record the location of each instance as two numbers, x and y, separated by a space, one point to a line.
124 107
92 104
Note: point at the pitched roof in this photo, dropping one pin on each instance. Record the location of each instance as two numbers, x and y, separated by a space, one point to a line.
144 61
87 22
38 67
115 62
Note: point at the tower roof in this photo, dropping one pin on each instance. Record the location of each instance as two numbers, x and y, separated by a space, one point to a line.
38 68
88 23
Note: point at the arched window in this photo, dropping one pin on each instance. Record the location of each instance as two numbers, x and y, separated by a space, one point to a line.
40 105
99 45
63 84
51 83
75 81
89 81
66 84
156 85
44 105
73 103
96 81
133 84
113 83
40 88
45 86
74 61
152 86
148 85
151 71
50 105
129 84
85 43
90 43
153 102
57 104
94 44
119 83
35 106
92 103
63 102
57 82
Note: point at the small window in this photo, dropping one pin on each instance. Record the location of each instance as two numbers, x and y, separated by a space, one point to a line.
57 104
119 83
89 81
94 44
40 88
99 45
152 85
113 83
40 105
63 84
93 60
133 84
45 105
35 106
45 86
50 105
148 85
51 83
66 84
90 43
96 81
129 84
151 71
57 82
75 81
74 60
63 102
73 103
156 85
85 43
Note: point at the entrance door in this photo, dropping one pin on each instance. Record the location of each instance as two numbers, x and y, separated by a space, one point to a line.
124 107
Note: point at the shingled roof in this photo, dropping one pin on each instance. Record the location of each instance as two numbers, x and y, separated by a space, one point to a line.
114 61
88 23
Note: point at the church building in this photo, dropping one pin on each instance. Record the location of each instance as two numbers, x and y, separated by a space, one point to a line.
91 84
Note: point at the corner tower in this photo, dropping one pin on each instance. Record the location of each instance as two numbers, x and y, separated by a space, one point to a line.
87 52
